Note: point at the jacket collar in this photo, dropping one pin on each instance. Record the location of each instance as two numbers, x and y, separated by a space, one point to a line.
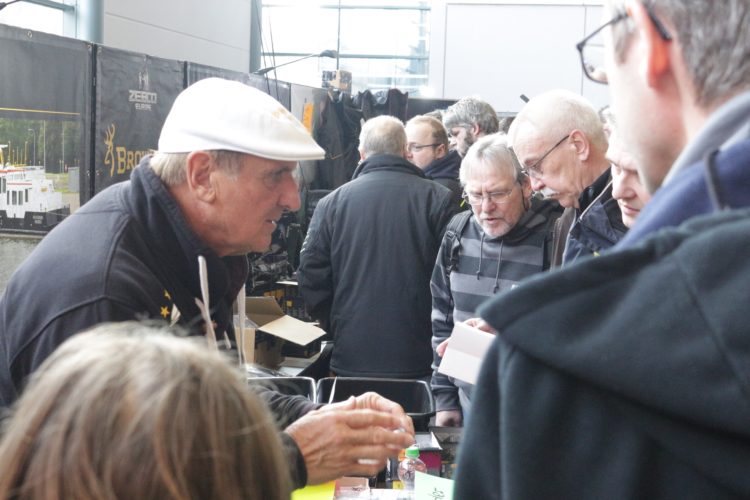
726 126
385 162
177 246
592 192
446 167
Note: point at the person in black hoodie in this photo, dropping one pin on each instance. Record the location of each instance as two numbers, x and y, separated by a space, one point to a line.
368 255
171 244
427 148
627 376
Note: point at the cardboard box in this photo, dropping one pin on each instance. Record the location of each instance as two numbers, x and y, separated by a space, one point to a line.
270 328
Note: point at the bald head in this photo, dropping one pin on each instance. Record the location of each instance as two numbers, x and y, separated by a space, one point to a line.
559 139
556 113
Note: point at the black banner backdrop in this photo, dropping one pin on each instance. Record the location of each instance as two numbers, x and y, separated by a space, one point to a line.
281 91
196 72
45 108
133 96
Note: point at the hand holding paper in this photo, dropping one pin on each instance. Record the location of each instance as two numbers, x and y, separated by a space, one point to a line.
465 352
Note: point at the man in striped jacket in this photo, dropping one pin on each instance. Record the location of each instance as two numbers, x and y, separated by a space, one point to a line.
503 239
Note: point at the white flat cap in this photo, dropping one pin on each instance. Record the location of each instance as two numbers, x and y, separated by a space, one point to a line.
216 114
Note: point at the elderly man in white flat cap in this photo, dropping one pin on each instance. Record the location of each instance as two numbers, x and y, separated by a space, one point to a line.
222 177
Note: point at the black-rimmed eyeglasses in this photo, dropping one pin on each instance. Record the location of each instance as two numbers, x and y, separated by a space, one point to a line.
535 169
591 48
415 148
496 197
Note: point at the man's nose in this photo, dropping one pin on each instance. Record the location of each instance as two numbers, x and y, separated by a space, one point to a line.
289 198
536 184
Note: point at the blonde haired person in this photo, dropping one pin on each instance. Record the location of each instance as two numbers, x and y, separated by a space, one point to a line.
130 411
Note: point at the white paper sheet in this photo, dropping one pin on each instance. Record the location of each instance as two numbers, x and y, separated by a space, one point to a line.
465 352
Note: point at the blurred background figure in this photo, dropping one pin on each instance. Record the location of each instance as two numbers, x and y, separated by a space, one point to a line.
627 188
467 120
366 261
128 410
427 148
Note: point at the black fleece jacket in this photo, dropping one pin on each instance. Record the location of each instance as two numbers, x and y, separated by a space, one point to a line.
128 254
366 264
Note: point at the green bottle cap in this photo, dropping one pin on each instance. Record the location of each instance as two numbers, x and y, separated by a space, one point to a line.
412 451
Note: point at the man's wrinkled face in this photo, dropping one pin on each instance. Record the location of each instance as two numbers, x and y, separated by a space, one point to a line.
250 203
552 165
500 199
421 146
461 138
627 189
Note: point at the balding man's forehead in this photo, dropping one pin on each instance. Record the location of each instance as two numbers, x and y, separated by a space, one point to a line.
523 133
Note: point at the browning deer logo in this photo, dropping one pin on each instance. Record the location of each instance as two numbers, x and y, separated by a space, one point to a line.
119 159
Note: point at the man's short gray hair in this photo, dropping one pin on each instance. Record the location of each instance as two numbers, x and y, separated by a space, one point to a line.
715 43
468 111
382 134
490 150
170 167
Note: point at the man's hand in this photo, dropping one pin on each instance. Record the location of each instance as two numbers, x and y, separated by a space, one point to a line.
374 401
480 324
442 346
448 418
354 437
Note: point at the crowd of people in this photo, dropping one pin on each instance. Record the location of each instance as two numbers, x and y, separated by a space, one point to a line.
603 250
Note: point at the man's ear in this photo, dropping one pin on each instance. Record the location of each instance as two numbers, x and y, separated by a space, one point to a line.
475 129
654 51
199 170
581 144
441 150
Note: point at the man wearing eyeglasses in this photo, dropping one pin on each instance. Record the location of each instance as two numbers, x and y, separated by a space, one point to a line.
427 148
560 141
467 120
506 238
627 376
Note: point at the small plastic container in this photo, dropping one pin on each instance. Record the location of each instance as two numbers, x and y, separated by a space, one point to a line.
409 466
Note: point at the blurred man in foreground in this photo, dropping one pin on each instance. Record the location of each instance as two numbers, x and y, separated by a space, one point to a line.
626 376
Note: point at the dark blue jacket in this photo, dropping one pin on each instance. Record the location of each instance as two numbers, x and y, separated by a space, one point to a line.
128 254
599 225
721 180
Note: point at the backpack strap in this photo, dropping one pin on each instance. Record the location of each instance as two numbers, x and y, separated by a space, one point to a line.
452 241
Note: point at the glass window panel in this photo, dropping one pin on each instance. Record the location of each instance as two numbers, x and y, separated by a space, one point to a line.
383 32
33 17
300 30
383 44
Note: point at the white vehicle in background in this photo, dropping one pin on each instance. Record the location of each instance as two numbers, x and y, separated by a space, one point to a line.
28 200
